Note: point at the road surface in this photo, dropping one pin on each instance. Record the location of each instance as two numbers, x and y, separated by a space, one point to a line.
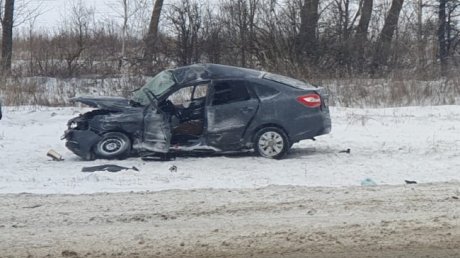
277 221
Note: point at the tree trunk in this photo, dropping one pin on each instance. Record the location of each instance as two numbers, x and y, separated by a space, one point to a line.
386 35
363 25
7 39
361 32
420 44
243 29
309 16
442 35
124 33
152 34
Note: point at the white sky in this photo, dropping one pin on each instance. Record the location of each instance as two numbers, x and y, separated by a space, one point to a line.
54 10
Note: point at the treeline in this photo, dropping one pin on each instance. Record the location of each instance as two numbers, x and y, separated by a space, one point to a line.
302 38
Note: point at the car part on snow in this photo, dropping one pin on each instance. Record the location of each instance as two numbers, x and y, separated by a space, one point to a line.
368 182
409 182
271 142
113 145
54 155
108 167
33 206
173 168
347 151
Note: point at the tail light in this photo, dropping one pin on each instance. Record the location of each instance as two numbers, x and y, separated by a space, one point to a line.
311 100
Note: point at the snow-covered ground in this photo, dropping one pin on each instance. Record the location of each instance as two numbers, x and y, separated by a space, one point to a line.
387 145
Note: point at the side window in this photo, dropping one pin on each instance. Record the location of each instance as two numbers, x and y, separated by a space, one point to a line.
185 96
230 92
264 91
200 91
181 96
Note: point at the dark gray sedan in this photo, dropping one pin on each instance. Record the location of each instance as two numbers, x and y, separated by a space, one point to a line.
203 108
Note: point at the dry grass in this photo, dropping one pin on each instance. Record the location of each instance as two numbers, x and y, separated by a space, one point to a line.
392 92
57 92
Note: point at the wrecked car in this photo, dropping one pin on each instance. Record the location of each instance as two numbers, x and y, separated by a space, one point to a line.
202 108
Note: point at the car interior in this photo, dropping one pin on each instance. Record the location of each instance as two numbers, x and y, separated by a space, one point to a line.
187 106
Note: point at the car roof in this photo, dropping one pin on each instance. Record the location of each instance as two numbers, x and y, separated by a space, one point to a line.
201 72
204 72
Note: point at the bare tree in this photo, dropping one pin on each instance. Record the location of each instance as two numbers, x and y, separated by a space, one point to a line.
152 34
363 25
341 26
14 13
442 34
7 36
212 36
186 19
302 38
360 40
386 35
309 16
126 10
239 20
74 36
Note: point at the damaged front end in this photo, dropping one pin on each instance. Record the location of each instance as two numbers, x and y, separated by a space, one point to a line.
79 138
88 134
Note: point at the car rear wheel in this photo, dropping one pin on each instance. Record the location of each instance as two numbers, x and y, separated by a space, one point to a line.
113 145
271 142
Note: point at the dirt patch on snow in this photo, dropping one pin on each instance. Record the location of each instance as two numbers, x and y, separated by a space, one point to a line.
383 221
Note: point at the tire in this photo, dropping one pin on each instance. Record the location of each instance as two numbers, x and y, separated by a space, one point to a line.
271 142
113 145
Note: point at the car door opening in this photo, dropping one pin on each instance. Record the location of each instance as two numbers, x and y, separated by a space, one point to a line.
187 109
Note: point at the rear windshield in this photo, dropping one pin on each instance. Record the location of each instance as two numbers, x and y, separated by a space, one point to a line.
288 81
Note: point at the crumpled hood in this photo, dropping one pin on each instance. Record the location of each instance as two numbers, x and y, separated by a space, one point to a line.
106 103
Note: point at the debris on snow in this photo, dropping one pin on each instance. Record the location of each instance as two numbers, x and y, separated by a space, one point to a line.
54 155
33 206
347 151
173 168
368 182
409 182
108 167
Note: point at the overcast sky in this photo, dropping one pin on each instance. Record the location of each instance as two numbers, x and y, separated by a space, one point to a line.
53 10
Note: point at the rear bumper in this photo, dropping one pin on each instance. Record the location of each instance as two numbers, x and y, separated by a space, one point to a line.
327 125
316 125
81 142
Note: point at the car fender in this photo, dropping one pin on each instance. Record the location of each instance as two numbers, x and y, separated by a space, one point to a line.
81 142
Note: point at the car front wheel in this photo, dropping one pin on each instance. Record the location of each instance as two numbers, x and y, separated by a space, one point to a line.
113 145
271 142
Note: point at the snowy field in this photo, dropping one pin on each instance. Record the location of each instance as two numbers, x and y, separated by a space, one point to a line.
387 145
